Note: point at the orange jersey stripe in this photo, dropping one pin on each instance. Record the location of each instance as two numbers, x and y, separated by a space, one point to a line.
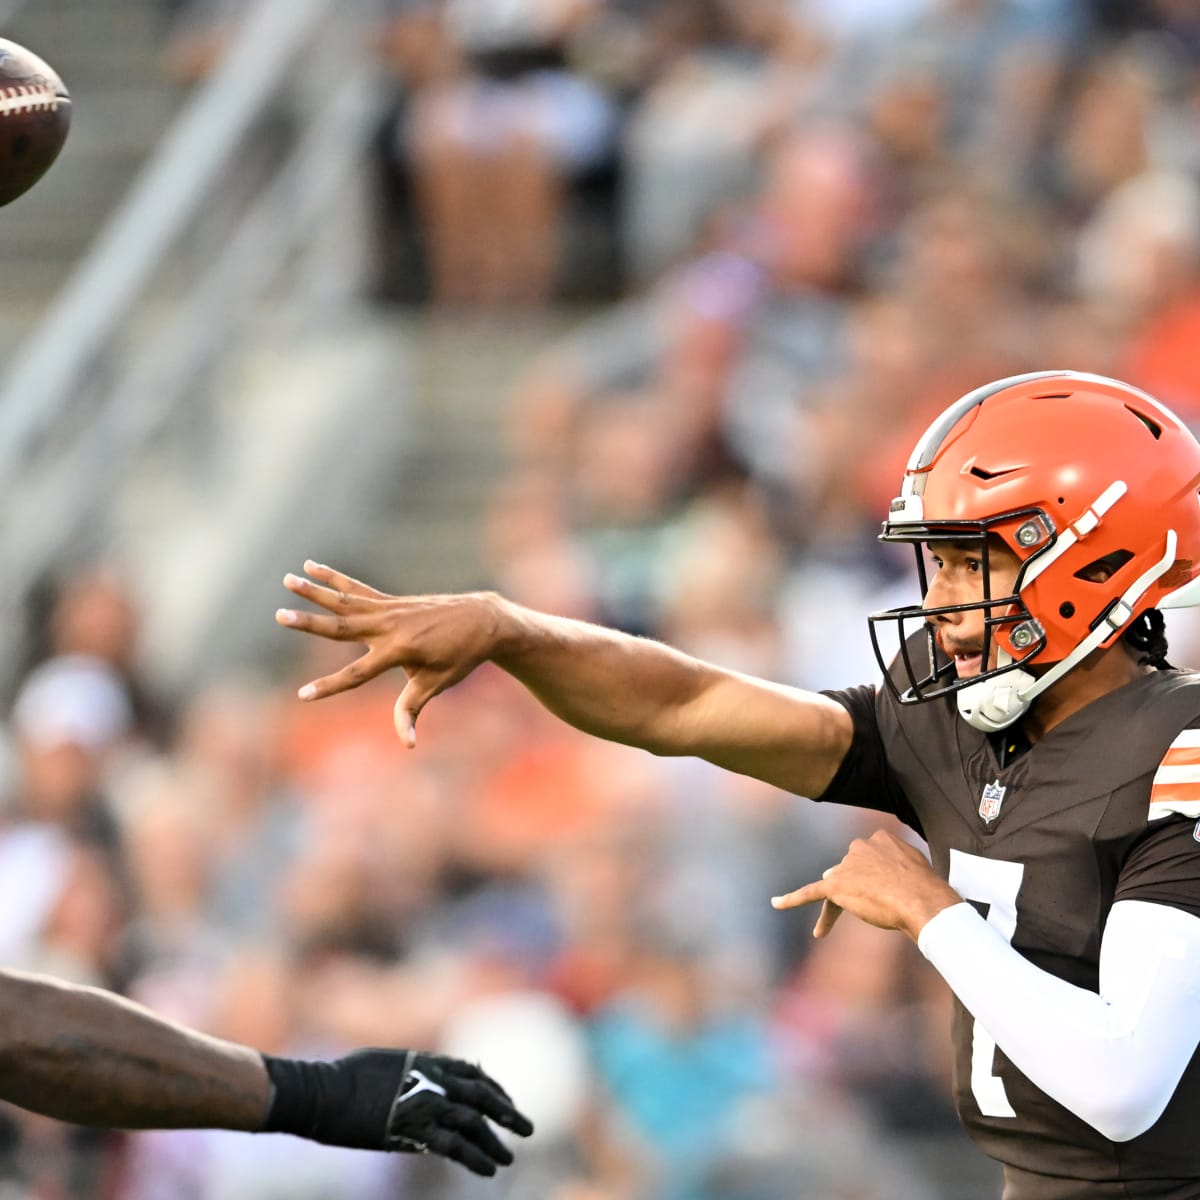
1175 793
1179 756
1175 787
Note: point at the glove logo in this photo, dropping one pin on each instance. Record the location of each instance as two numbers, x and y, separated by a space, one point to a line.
417 1082
414 1083
399 1100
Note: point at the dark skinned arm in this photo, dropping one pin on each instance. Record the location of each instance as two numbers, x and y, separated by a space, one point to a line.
91 1057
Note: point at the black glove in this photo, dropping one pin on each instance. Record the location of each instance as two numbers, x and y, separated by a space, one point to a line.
399 1100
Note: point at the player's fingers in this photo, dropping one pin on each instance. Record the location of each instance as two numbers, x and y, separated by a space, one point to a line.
337 626
325 597
365 667
469 1070
486 1096
340 582
335 600
827 918
467 1121
809 893
453 1145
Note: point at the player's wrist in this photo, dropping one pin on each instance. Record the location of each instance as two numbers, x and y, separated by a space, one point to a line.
294 1105
333 1102
928 907
950 924
509 629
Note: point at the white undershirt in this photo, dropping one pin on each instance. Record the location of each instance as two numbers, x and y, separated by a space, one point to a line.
1112 1058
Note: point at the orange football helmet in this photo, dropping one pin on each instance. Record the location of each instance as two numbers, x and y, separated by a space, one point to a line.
1072 472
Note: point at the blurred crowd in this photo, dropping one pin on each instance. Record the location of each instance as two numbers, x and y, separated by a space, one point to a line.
823 221
590 923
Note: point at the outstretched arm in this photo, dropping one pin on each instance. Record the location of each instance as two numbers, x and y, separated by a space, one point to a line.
615 686
93 1058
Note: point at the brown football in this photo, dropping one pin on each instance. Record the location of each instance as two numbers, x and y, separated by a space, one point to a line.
35 114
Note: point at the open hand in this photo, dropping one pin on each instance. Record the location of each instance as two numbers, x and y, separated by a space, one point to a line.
435 640
440 1109
405 1101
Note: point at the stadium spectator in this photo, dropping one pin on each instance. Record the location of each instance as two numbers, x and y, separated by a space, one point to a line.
499 119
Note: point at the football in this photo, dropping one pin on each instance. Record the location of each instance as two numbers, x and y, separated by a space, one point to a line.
35 114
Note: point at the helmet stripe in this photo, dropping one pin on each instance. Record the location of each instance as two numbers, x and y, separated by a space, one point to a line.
1077 529
1117 616
931 441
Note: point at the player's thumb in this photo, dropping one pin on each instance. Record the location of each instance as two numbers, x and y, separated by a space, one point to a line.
408 707
827 918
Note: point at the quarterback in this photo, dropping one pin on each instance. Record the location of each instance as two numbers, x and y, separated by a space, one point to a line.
1029 729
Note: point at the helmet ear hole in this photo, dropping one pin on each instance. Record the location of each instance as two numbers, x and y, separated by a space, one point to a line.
1102 569
1066 610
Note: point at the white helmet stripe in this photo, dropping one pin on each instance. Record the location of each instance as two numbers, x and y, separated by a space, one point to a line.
1076 530
1118 615
1186 596
931 440
997 700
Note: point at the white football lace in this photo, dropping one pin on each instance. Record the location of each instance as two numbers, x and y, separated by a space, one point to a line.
27 98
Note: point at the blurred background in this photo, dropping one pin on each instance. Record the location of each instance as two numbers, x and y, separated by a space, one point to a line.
632 310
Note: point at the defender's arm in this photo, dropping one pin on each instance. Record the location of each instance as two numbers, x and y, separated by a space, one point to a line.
94 1058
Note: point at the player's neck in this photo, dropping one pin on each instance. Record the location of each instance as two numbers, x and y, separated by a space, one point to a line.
1098 674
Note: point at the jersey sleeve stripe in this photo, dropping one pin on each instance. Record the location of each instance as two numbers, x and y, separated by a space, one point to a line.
1181 798
1176 795
1180 808
1175 787
1170 793
1177 756
1170 775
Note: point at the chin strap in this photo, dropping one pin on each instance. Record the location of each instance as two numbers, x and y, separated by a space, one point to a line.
995 702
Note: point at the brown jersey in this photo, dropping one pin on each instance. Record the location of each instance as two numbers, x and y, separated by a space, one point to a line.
1043 846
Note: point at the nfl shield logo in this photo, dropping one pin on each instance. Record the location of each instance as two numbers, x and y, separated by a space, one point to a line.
990 801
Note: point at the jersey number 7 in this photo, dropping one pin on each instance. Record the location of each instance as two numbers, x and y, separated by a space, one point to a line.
995 883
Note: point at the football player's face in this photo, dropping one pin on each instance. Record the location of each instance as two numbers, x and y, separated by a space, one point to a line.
956 576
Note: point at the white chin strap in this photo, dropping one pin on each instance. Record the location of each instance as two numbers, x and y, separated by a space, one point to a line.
997 701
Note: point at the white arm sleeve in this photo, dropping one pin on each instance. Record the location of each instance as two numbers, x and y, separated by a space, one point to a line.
1113 1058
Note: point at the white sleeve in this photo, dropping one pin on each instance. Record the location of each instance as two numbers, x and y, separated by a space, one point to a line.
1113 1058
